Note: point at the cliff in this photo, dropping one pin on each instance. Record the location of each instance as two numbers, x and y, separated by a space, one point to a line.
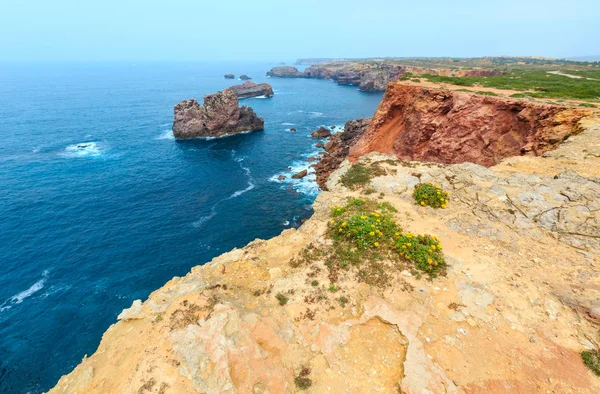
444 126
250 89
515 306
220 115
372 75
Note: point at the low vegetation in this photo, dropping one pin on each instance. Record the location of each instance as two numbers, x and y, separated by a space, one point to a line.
364 231
591 359
427 194
302 381
537 83
360 174
282 299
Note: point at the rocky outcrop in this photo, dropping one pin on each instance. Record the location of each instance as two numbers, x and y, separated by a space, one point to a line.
300 174
285 72
229 76
517 305
220 115
250 89
244 77
417 123
337 149
321 132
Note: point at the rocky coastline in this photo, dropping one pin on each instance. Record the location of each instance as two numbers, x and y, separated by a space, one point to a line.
515 306
371 76
219 115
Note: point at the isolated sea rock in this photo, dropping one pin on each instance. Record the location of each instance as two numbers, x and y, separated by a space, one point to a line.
244 77
285 72
337 149
250 89
229 76
444 126
321 132
293 129
300 174
220 115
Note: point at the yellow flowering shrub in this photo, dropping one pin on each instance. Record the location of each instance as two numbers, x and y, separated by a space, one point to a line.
427 194
366 228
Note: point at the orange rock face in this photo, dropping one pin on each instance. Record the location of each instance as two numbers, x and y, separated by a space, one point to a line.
417 123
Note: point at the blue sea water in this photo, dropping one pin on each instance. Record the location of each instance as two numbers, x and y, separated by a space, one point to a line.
99 205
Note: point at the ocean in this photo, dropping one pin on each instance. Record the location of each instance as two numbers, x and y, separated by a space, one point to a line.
100 205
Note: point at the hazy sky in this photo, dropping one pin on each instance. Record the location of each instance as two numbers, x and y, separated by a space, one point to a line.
137 30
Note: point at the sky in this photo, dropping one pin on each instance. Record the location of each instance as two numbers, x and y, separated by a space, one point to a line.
279 30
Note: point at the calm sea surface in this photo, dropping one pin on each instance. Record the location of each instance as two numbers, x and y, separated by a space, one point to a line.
99 205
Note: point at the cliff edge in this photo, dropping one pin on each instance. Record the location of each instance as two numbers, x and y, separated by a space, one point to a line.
516 304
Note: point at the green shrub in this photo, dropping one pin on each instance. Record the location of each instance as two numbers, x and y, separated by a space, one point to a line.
430 195
302 381
282 299
425 251
591 359
587 105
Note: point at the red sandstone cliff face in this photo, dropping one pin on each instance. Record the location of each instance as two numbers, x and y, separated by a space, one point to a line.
417 123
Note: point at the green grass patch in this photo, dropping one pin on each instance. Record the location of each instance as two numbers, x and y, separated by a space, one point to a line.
587 105
427 194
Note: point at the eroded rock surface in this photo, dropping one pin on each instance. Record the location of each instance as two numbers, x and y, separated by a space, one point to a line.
220 115
417 123
337 149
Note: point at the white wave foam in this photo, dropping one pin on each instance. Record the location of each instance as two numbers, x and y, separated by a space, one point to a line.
166 135
315 114
20 297
288 124
307 185
82 149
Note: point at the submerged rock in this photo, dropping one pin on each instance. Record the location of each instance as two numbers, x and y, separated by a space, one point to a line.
220 115
244 77
250 89
229 76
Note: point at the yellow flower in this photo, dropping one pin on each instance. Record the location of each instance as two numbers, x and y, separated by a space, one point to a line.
429 261
331 207
438 192
443 206
333 221
376 244
344 224
396 234
403 246
340 230
408 244
423 203
363 217
435 263
372 226
378 220
371 233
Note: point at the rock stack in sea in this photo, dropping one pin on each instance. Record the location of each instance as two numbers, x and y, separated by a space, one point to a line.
250 89
220 115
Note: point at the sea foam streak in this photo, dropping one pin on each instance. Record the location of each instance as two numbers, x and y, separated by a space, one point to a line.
166 135
18 298
213 210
